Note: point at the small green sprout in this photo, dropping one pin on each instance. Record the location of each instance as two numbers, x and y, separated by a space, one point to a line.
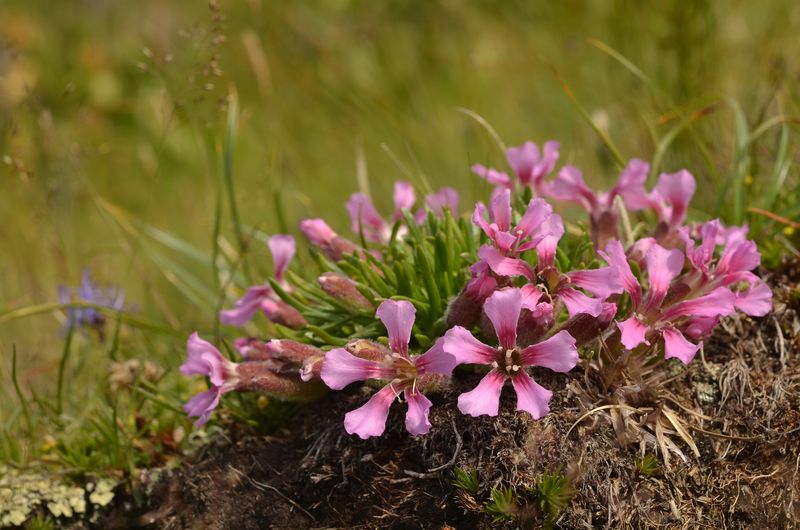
40 522
647 465
552 494
467 481
503 506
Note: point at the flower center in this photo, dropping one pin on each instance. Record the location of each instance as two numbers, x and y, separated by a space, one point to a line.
507 361
405 370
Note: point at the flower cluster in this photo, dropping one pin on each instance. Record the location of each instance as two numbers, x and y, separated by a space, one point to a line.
508 289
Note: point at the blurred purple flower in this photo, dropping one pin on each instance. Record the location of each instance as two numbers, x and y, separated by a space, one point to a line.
89 318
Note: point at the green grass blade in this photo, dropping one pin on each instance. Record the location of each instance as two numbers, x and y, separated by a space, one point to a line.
62 363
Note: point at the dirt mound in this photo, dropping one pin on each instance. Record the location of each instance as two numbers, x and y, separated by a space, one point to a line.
723 437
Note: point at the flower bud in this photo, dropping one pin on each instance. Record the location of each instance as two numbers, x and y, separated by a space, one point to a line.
293 350
344 290
534 324
259 377
286 315
464 310
321 235
367 349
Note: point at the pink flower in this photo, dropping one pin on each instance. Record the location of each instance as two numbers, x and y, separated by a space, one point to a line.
406 374
437 202
569 186
672 195
508 361
529 165
733 268
204 359
497 225
365 219
601 282
655 315
283 248
321 235
498 178
539 228
262 297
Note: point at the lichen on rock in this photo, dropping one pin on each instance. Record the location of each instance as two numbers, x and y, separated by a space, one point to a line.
23 493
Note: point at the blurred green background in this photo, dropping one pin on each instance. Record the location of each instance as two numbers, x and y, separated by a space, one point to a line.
113 122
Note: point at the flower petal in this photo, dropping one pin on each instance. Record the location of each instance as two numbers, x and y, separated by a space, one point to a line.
602 282
370 419
482 283
340 368
578 303
615 256
719 302
492 176
444 198
503 309
282 248
403 197
504 266
546 248
466 349
557 353
700 327
484 398
739 256
633 333
202 405
364 218
522 160
531 397
203 358
677 190
436 360
662 267
246 306
676 345
545 165
417 416
631 185
569 186
398 317
533 221
530 296
755 301
501 210
317 231
479 218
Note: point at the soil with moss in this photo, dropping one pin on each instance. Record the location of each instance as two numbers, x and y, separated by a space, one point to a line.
724 433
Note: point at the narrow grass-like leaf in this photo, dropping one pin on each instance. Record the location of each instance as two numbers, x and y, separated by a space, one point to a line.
480 120
62 363
24 402
128 318
604 138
